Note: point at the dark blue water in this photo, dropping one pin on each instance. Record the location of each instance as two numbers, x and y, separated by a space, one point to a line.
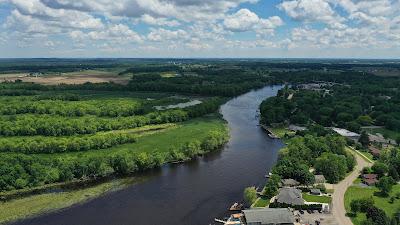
193 193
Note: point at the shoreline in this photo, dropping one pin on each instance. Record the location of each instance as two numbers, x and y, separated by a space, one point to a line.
99 186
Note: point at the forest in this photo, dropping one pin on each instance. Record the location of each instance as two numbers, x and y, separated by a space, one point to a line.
363 103
41 130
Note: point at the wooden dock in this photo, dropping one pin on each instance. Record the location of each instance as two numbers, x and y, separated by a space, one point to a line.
269 131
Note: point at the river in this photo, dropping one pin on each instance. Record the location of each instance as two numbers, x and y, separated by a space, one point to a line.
192 193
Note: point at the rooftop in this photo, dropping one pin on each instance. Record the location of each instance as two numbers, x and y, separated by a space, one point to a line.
290 182
269 216
319 179
344 132
291 196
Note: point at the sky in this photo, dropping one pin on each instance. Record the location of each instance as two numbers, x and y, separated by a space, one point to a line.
200 28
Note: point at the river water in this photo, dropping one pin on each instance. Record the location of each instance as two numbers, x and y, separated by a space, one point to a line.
192 193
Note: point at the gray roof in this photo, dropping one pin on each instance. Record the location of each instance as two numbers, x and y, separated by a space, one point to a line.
269 216
290 182
296 128
319 179
290 196
315 191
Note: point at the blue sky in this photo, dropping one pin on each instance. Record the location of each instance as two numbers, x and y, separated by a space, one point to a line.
200 28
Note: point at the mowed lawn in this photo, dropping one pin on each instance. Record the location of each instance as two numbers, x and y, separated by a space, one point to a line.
262 202
357 192
316 198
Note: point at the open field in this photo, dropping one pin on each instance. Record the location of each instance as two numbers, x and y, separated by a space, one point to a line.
80 77
160 142
358 192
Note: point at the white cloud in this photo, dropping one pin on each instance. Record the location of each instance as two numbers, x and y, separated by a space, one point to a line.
312 11
246 20
60 18
162 34
158 21
186 10
117 34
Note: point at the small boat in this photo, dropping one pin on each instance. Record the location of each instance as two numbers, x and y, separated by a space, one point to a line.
236 207
268 175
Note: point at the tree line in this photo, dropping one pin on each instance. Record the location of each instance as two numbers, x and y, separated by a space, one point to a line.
52 125
49 125
104 108
21 171
41 144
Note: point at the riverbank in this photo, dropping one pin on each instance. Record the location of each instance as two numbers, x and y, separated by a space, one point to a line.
190 139
170 191
21 208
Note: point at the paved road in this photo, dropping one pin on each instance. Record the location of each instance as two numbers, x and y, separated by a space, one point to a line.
339 212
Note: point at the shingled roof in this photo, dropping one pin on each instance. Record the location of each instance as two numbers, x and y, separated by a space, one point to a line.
269 216
291 196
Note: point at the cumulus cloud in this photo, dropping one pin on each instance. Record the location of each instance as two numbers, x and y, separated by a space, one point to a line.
187 10
246 20
117 34
181 26
312 11
164 35
158 21
36 10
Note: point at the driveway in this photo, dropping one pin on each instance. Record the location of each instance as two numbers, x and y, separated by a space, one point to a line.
338 210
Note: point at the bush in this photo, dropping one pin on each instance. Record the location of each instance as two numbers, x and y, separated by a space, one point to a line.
385 185
250 195
361 205
297 207
378 216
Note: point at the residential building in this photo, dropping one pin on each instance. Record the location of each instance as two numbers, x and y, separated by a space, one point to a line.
291 196
269 216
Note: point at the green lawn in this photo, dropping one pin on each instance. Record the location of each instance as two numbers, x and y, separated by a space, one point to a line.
356 192
367 155
196 129
261 202
315 198
281 131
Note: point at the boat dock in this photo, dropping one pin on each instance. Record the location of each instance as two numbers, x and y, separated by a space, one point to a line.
269 131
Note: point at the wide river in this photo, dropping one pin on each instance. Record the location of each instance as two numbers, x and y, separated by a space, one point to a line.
192 193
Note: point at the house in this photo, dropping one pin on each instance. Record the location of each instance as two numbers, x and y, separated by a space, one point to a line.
374 151
346 133
290 196
315 191
369 179
269 216
296 128
290 183
319 179
379 139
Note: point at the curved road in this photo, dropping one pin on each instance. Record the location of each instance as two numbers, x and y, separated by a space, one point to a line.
338 209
